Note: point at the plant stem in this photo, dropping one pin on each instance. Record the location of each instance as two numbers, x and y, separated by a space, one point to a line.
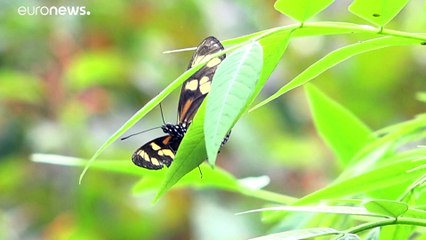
393 221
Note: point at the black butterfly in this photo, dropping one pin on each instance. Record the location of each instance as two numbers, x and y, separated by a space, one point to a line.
161 151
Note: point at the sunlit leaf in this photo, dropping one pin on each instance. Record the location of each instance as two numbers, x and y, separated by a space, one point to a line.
232 86
334 58
301 10
386 207
378 12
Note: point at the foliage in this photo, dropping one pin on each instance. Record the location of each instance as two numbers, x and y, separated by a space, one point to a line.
379 191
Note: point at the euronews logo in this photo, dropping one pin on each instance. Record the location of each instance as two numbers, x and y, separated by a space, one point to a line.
53 10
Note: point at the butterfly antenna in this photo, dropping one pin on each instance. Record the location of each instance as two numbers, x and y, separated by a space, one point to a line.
133 134
162 115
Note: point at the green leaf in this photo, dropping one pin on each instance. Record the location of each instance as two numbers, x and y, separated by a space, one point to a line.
301 10
301 234
232 86
212 178
320 209
386 207
191 152
344 133
273 47
378 12
382 177
334 58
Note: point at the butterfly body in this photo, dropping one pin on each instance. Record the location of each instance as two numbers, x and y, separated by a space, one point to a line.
161 151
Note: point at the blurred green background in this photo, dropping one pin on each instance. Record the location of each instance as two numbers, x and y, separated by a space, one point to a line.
68 82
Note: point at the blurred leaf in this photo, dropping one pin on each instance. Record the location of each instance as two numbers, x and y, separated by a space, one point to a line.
382 177
301 10
118 166
395 136
386 207
301 234
92 69
378 12
344 133
232 86
421 96
18 86
212 178
335 57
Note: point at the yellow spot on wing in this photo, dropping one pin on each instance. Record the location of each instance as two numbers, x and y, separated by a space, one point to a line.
155 161
155 147
166 152
192 85
214 62
205 85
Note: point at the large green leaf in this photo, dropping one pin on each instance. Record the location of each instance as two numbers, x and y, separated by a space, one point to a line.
301 10
378 12
212 178
232 86
191 153
342 130
336 57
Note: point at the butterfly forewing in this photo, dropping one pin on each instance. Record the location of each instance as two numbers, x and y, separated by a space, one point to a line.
195 89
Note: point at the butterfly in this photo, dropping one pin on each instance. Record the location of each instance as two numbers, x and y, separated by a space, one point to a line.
161 151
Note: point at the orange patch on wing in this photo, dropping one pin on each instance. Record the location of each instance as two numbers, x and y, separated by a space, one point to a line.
167 140
186 107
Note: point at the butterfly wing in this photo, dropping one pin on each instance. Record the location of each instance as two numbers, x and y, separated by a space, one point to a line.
156 153
195 89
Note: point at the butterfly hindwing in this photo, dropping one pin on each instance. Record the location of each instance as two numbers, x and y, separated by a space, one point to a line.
195 88
156 153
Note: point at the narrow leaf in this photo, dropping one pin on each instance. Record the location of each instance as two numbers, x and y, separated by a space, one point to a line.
382 177
300 234
377 12
301 10
334 58
320 209
341 130
232 86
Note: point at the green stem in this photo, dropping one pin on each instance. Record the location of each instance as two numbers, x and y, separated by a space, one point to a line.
328 28
393 221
